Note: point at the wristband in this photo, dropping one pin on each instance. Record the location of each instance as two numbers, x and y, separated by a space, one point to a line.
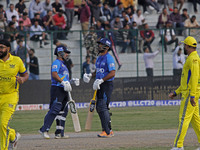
175 93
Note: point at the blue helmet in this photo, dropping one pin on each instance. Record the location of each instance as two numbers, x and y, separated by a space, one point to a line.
106 42
61 49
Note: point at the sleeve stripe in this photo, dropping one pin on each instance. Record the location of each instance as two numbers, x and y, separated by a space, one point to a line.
23 72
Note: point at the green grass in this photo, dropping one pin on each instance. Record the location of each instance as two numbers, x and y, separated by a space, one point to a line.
123 119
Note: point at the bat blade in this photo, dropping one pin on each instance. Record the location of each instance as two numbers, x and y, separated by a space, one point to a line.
74 114
88 124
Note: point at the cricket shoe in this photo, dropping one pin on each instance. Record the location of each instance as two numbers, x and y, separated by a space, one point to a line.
44 134
177 148
13 144
58 136
111 133
103 134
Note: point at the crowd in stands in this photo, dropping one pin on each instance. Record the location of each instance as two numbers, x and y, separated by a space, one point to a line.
120 20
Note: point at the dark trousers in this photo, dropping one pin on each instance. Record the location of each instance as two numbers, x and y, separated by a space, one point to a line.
177 72
170 42
149 72
195 4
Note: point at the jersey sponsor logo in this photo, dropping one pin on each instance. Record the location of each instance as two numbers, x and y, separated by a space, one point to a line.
54 66
10 105
65 73
101 70
6 79
12 65
112 65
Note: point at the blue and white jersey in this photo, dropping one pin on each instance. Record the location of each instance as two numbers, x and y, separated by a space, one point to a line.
59 67
104 65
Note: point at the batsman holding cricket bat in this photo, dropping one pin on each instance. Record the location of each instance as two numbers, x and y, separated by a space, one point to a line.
190 90
105 73
60 86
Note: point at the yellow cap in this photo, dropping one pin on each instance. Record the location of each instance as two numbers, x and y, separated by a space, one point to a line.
190 41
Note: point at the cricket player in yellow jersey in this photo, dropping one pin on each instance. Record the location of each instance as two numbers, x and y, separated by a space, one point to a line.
190 90
12 73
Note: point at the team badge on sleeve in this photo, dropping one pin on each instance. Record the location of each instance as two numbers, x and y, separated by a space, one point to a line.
54 66
112 65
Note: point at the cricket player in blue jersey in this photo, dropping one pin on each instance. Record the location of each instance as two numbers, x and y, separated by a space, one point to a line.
60 86
105 73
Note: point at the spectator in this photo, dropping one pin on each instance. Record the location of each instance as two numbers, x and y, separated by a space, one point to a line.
138 17
90 43
129 13
84 12
178 61
175 17
176 3
3 22
111 3
60 24
86 66
144 5
148 60
118 10
21 51
126 40
49 23
106 13
10 12
166 4
46 6
69 64
95 8
37 18
26 20
195 5
69 12
148 36
22 30
11 29
20 7
129 4
58 43
153 4
14 19
169 36
125 19
33 66
35 7
99 29
163 19
192 23
2 10
184 15
133 34
56 6
93 66
116 23
37 36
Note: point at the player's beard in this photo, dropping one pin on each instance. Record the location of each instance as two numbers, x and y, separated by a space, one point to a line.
185 51
3 54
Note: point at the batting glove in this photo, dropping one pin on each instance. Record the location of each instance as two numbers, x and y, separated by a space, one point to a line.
96 85
75 81
87 77
67 86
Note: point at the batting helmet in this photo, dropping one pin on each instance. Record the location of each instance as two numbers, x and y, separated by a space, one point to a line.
106 42
61 49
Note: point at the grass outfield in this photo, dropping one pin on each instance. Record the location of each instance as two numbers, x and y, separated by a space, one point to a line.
123 119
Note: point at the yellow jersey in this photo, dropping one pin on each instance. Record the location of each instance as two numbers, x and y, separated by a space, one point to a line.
8 72
190 77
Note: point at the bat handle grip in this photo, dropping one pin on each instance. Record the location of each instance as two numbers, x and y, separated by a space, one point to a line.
95 93
70 96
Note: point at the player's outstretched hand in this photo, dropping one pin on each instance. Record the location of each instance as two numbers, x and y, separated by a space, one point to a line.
192 101
171 95
67 86
87 77
96 85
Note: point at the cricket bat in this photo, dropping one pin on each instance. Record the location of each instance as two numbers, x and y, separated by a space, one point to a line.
90 115
74 114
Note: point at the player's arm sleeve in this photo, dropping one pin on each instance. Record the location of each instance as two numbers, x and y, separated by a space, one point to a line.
22 68
111 63
178 91
194 65
55 66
